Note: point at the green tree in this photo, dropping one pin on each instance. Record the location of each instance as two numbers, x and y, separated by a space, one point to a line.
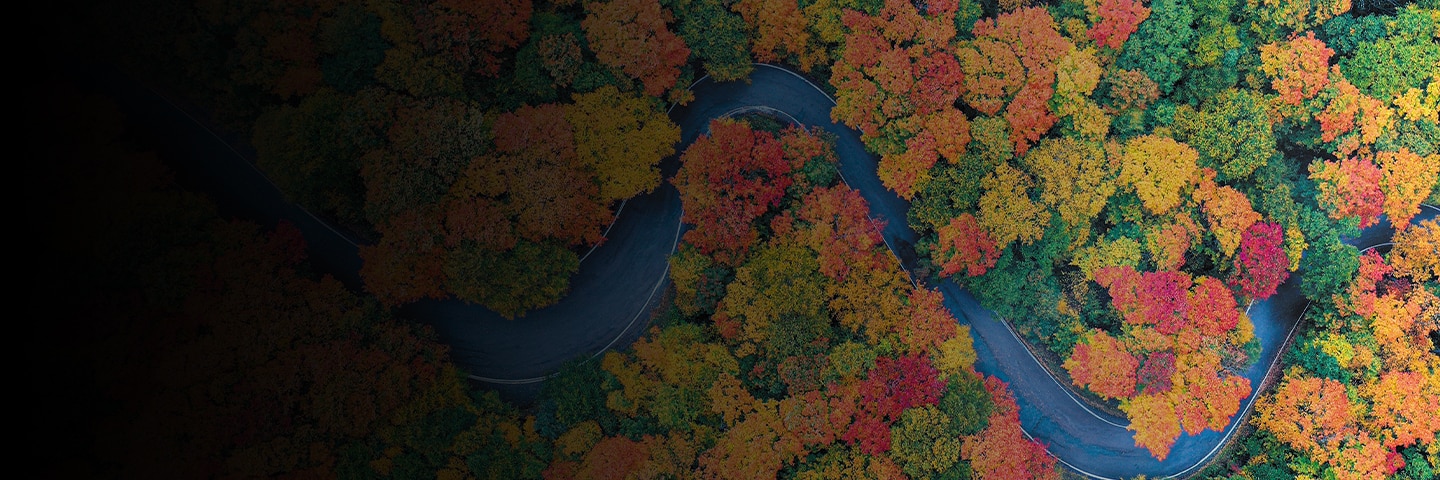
1405 58
716 36
528 276
312 150
1160 47
1232 133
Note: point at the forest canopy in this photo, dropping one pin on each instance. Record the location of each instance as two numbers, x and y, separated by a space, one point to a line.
1118 179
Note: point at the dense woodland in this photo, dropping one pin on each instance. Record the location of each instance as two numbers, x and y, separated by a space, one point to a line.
1117 178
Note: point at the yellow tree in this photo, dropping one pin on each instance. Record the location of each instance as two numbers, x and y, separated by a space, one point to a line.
1405 409
780 32
1006 210
1159 169
777 296
621 137
1101 364
1417 252
1406 179
1312 415
1153 419
1074 181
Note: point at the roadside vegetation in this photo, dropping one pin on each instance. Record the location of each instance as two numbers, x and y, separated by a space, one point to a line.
1119 179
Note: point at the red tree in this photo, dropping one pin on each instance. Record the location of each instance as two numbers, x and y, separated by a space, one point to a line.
1261 264
1118 19
894 385
1002 450
1349 187
1150 298
841 231
964 245
473 35
729 179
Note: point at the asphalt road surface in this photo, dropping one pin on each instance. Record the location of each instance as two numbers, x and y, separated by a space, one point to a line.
622 279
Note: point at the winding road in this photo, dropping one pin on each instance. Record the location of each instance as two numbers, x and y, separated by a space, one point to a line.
621 280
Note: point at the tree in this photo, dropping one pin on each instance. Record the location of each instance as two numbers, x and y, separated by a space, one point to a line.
621 137
1402 409
1232 133
1227 210
1158 169
1167 244
1074 181
1406 180
1006 211
1400 60
780 33
894 385
1349 187
536 174
472 36
1204 394
716 36
1261 265
1345 110
895 69
311 150
699 282
921 442
776 299
1417 252
1300 67
1312 415
1148 298
614 458
1102 364
1153 419
1212 311
1160 45
1011 65
1273 18
965 246
841 232
528 276
1156 376
727 180
429 144
1002 450
406 265
1103 253
632 35
1076 76
1118 19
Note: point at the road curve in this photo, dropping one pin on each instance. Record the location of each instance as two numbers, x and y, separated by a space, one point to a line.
621 279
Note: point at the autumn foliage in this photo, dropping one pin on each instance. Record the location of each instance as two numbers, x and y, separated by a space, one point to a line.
964 246
1261 264
1011 66
1118 19
632 35
727 181
1003 450
1102 364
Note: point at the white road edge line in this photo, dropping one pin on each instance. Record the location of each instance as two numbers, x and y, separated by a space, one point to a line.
643 309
